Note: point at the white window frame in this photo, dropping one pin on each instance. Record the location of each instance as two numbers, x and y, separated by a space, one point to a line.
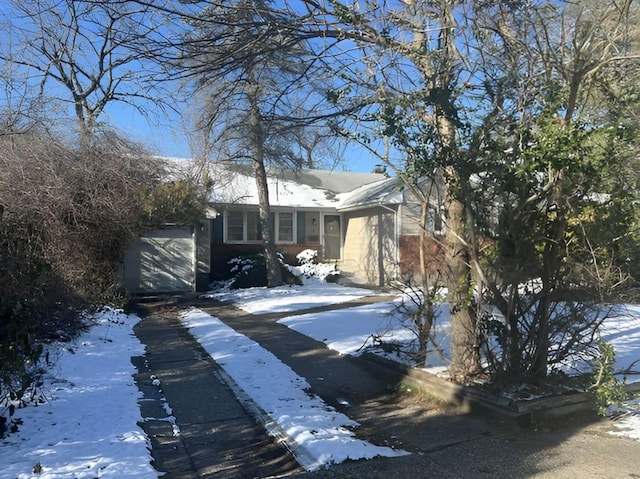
226 227
245 229
258 238
294 232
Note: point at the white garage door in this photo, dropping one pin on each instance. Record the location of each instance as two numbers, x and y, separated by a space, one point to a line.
162 261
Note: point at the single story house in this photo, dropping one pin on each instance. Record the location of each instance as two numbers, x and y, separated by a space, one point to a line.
365 223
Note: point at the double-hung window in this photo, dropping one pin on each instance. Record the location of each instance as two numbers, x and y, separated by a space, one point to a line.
243 226
235 226
254 232
285 227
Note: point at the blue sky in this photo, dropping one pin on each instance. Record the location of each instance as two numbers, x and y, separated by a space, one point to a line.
165 135
162 132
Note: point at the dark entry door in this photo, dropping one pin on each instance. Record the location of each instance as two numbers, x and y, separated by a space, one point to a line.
332 237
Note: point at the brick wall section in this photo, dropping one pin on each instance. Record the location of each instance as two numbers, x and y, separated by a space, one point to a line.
410 255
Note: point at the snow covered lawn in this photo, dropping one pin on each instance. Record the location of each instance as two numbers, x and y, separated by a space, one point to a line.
350 331
87 428
289 298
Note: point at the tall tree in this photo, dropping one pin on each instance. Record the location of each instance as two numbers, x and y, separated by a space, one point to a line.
398 76
555 150
415 72
251 72
84 53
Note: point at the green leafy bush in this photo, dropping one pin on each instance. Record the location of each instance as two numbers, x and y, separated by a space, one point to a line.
607 389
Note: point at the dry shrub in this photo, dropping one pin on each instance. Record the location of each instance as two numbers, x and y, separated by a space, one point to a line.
83 205
67 215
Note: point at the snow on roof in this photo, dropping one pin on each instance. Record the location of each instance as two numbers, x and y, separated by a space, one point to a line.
343 190
387 191
291 188
238 188
334 181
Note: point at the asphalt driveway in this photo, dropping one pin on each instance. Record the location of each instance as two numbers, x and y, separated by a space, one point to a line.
222 436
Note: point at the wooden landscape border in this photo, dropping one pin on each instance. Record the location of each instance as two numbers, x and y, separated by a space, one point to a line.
524 412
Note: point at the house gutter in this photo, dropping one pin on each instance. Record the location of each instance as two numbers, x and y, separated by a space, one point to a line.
362 206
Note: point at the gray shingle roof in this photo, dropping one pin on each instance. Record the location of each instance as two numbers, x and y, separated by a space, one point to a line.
386 192
334 181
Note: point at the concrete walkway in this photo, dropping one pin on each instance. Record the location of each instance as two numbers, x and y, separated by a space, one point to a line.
443 442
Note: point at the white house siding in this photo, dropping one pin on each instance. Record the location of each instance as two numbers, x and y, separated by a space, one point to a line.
369 254
409 214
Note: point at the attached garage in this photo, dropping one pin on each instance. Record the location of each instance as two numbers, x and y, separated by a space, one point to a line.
167 260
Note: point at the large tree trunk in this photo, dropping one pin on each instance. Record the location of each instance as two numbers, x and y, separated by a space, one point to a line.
465 355
465 351
274 274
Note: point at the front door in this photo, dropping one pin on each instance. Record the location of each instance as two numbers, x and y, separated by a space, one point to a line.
332 237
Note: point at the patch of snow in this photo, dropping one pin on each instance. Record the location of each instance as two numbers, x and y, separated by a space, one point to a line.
289 298
238 188
361 329
88 427
308 269
626 419
622 331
